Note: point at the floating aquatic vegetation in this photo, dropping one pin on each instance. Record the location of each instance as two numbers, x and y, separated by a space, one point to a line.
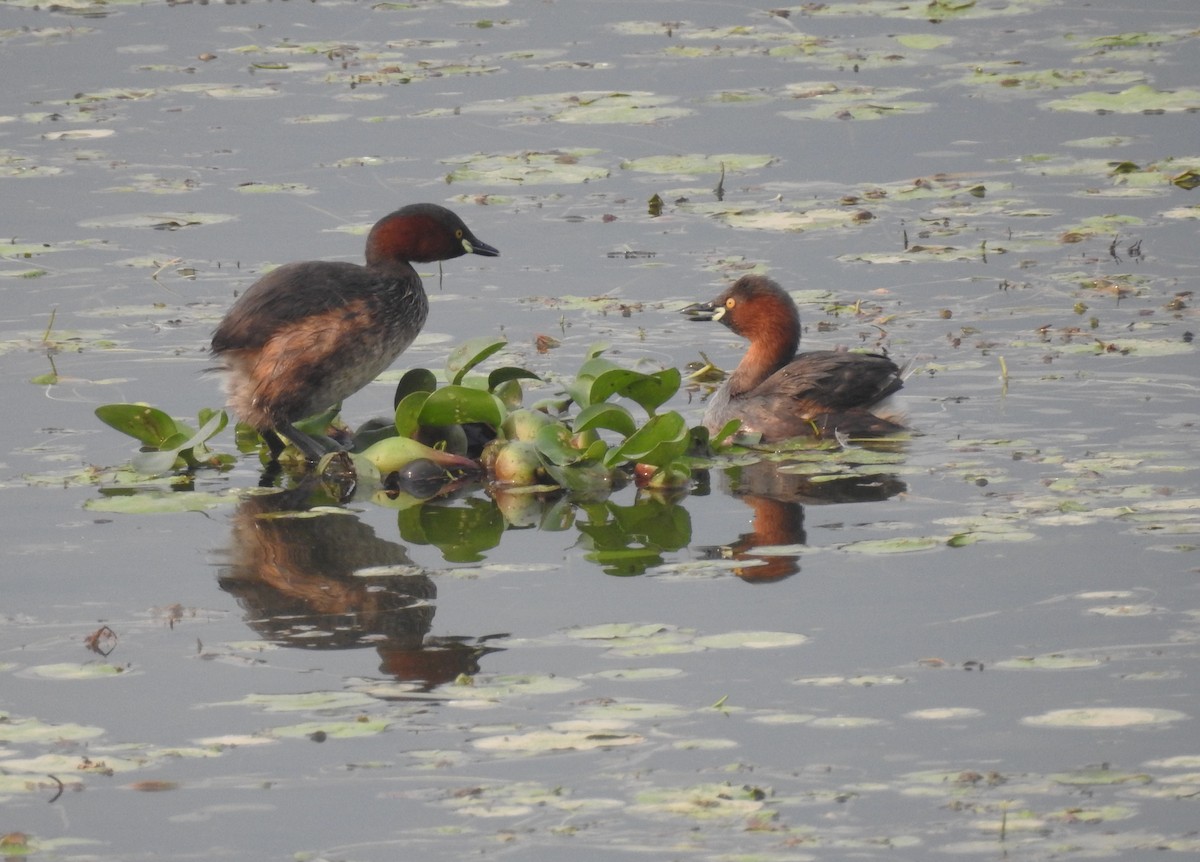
526 168
1107 717
1138 99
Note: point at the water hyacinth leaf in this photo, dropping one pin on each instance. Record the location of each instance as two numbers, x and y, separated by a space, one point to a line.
612 417
584 478
155 463
408 412
594 365
371 432
648 390
318 425
659 442
455 405
469 354
727 430
554 443
414 380
180 445
524 424
654 390
508 373
510 393
148 424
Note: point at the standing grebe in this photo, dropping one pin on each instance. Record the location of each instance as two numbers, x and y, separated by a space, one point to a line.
307 335
779 394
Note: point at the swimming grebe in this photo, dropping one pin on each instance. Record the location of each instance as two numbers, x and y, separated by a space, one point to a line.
780 394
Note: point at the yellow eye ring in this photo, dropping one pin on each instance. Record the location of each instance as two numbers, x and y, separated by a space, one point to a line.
730 303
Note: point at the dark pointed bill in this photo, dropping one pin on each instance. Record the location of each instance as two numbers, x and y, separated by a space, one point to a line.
699 311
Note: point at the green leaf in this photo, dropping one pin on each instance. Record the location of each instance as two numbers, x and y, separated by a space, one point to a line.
414 380
583 479
180 444
727 430
659 442
408 412
655 389
153 463
318 426
507 373
147 424
580 388
455 405
510 393
469 354
555 444
611 416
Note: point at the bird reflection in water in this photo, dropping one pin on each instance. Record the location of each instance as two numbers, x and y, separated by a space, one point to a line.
777 500
319 578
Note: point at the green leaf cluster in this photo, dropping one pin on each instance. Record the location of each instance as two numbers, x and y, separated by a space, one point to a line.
167 443
580 440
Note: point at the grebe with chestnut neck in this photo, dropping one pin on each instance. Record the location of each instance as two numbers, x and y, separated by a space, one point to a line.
779 394
307 335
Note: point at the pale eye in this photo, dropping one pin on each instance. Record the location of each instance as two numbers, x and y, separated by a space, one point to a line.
730 303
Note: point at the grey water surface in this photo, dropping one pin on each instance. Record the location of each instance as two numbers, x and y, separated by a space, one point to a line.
987 649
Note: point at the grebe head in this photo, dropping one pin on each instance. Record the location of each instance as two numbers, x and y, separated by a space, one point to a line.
757 308
421 233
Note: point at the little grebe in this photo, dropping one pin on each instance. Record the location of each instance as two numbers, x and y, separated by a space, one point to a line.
779 394
307 335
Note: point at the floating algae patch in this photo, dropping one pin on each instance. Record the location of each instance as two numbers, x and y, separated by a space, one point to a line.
698 164
578 735
566 167
1104 717
1138 99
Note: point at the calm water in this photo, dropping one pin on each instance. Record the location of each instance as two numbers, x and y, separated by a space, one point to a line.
615 715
